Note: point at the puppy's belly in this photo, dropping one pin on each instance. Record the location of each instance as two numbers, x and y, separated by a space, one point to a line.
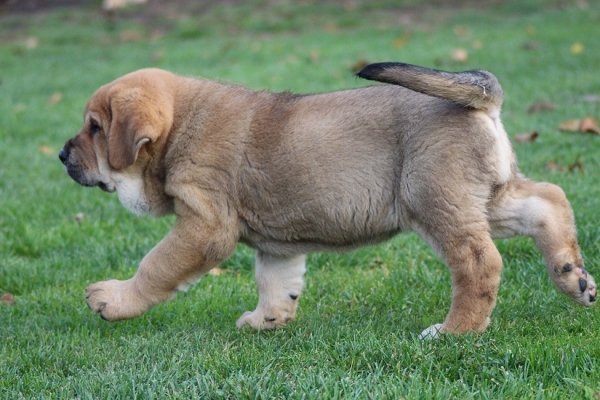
300 245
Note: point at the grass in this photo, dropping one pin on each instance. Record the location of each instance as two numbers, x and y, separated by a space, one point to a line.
356 331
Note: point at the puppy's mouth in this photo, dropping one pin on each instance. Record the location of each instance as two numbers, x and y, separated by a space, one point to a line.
78 176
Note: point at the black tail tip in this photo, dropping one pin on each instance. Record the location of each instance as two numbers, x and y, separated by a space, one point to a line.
374 71
371 71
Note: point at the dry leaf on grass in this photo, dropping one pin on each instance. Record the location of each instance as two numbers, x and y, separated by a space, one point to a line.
577 48
403 40
477 44
158 55
332 27
589 125
526 137
55 98
541 106
7 298
32 43
47 150
571 125
531 31
460 55
130 36
531 45
461 31
554 166
586 125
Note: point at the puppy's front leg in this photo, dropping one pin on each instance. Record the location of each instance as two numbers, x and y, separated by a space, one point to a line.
190 249
280 283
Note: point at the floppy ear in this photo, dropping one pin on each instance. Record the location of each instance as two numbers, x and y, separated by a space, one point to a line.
138 117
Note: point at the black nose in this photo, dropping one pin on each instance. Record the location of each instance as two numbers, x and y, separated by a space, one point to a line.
63 155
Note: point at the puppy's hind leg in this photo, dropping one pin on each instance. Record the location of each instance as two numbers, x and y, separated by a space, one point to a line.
280 283
460 236
475 265
542 211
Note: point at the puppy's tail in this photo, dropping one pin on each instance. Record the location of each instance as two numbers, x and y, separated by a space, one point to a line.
475 89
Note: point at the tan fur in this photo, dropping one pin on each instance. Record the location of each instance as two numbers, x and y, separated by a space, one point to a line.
290 174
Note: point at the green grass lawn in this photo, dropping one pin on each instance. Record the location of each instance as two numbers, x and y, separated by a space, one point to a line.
355 335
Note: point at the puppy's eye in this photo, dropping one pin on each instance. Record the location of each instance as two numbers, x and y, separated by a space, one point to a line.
94 127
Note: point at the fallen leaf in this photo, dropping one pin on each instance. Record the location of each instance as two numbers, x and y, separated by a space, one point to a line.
403 40
7 298
332 27
571 125
55 98
589 125
47 150
359 65
314 56
575 165
157 55
554 166
477 44
130 36
461 31
399 43
586 125
32 43
541 106
526 137
217 271
460 55
531 45
577 48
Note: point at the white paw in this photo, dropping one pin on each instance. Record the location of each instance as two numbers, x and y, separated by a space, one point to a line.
433 332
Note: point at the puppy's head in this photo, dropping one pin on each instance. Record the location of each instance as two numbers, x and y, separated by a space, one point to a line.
121 120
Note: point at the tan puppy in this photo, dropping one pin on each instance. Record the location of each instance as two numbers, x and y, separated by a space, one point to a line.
292 174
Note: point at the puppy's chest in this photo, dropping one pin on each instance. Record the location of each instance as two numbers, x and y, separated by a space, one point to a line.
130 190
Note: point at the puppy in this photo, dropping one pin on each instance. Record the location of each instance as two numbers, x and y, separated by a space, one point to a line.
291 174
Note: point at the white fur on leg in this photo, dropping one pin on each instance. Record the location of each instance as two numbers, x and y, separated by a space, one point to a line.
433 332
280 283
